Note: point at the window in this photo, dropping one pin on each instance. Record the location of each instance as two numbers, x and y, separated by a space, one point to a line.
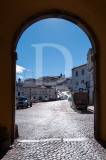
76 73
82 71
77 83
46 91
34 91
26 90
92 76
18 93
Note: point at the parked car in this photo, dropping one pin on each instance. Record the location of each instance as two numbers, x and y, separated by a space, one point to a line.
23 102
45 100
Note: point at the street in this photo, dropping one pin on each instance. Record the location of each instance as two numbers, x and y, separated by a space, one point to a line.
55 131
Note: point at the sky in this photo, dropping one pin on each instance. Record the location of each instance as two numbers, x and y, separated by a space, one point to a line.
50 47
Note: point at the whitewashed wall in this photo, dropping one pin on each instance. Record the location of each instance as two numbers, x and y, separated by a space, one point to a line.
76 80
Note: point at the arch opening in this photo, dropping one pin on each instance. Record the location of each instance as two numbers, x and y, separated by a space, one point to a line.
72 18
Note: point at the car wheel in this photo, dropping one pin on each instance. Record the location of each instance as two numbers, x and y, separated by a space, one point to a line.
17 107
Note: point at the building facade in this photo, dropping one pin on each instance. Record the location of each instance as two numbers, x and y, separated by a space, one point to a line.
91 78
31 90
80 78
19 89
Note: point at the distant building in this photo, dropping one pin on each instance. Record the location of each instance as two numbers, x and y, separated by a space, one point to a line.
19 88
62 87
80 78
65 85
39 92
34 91
44 87
31 90
69 83
50 80
90 72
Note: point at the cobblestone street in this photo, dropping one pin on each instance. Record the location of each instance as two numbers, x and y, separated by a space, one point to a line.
55 131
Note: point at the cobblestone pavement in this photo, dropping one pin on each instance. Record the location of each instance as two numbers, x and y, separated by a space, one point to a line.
54 131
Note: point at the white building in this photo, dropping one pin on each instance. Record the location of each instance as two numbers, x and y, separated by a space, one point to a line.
31 90
80 78
39 92
50 80
62 87
66 85
90 72
44 87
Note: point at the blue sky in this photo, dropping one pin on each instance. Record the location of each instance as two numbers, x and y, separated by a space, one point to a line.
52 31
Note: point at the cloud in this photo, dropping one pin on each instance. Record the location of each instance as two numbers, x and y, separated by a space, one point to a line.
19 76
20 69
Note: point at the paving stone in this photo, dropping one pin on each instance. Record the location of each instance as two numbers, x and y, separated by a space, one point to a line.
42 122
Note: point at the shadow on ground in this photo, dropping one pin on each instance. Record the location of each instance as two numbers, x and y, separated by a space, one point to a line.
82 111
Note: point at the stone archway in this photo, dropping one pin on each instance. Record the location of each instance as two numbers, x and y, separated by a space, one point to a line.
79 22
